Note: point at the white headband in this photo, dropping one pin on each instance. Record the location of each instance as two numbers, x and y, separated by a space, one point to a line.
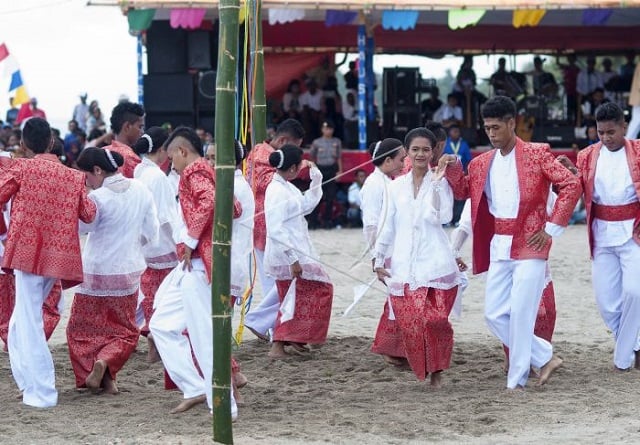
375 150
110 157
148 138
281 163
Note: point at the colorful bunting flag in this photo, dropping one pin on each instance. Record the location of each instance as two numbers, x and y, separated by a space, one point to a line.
188 18
527 17
4 52
397 20
596 17
282 15
10 68
335 18
140 19
16 81
461 18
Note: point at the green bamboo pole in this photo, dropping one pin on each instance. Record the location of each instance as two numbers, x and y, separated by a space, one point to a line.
259 102
226 92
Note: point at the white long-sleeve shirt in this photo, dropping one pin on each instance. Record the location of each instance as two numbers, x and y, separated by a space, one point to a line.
161 254
126 219
412 235
288 237
612 186
242 235
372 196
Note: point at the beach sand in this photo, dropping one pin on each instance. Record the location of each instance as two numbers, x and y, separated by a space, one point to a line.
344 394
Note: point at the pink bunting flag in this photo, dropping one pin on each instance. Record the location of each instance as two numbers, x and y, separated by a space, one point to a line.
187 18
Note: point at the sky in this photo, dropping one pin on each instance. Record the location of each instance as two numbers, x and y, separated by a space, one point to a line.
64 48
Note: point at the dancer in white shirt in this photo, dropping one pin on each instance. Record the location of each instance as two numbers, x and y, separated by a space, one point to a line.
388 157
424 276
610 175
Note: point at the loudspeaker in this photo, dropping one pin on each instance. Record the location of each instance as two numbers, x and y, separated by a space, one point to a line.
199 50
400 86
206 90
169 93
398 121
556 136
166 48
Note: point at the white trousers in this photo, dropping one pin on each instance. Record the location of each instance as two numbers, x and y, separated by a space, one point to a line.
514 290
616 282
263 317
31 361
183 301
634 125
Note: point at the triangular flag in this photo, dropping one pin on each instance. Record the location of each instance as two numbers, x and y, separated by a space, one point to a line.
140 19
596 17
4 52
461 18
358 293
20 96
9 66
527 17
334 18
397 20
188 18
282 15
16 81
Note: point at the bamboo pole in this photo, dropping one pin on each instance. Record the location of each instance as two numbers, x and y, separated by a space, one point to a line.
228 11
259 100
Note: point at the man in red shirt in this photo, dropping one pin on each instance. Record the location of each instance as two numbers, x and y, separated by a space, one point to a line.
127 125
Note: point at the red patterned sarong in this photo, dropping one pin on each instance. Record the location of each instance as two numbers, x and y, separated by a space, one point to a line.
546 318
312 312
423 317
50 314
149 284
101 328
388 339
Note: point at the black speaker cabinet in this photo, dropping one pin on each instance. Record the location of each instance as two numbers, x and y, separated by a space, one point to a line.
400 86
169 93
556 136
166 48
199 50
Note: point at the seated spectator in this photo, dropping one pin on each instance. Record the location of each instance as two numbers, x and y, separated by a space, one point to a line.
431 105
590 104
291 106
591 137
450 113
354 214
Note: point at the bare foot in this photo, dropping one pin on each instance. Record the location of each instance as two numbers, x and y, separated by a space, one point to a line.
153 356
109 384
517 390
277 350
187 404
241 380
94 379
534 373
262 337
436 379
395 361
548 369
298 347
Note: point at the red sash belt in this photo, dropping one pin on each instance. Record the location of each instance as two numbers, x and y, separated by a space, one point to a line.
616 213
505 226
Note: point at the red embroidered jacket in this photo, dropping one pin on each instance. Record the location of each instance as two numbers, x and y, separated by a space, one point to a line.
537 169
587 161
196 194
131 159
47 201
259 175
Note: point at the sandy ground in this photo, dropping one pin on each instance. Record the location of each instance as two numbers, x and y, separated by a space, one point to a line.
343 394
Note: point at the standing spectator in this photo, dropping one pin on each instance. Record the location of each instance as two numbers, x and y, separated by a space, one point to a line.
431 105
354 213
350 114
311 103
29 109
544 84
12 113
627 70
95 121
610 79
81 112
590 104
332 105
326 153
127 123
588 80
570 73
458 147
351 77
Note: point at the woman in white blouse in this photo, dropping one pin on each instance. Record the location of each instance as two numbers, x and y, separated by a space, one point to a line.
388 157
424 276
289 255
102 331
161 256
